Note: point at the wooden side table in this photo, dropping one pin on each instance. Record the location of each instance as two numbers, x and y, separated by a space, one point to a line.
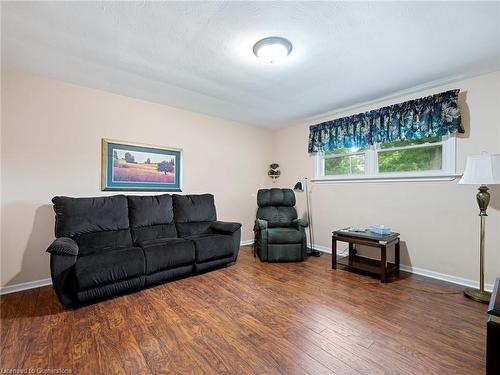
360 263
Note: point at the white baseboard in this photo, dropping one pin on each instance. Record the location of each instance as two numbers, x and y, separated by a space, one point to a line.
424 272
444 277
246 242
418 271
323 249
24 286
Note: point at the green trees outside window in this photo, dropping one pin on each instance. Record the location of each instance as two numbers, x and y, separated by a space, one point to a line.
348 165
428 158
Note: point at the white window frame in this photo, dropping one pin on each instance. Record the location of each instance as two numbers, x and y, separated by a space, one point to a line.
446 173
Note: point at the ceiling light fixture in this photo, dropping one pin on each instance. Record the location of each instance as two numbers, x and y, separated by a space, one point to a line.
272 49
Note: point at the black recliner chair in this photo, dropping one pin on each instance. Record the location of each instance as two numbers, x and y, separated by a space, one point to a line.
279 235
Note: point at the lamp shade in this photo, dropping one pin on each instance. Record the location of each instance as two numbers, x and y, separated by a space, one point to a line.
482 169
298 187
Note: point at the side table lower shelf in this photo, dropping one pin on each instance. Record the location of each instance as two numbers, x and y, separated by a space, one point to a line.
363 264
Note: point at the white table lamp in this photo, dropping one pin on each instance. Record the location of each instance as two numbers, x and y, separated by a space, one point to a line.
481 170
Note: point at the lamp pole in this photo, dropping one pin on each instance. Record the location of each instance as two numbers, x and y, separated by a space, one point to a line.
483 199
312 252
309 216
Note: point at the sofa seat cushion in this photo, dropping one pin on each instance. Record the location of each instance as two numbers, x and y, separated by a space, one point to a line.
212 246
97 242
153 232
167 253
284 235
109 267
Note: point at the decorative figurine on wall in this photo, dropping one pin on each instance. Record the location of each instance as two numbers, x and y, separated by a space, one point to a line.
274 171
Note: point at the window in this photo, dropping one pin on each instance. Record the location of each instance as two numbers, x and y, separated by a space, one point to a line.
345 162
431 158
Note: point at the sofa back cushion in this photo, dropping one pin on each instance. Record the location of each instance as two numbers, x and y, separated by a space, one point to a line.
151 217
276 206
275 197
98 223
194 214
277 216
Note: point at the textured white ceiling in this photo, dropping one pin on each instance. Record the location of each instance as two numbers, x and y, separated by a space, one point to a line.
198 55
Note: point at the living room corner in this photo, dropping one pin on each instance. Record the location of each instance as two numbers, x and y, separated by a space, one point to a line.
437 219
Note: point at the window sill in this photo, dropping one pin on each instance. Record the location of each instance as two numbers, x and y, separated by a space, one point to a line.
398 178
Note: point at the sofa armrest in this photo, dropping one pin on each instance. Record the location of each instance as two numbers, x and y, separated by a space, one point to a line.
301 222
63 246
63 257
232 229
260 224
225 227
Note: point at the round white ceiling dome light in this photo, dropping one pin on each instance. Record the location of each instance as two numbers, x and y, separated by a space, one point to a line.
273 49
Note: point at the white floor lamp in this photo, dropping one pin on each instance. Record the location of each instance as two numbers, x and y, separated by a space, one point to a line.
301 188
481 170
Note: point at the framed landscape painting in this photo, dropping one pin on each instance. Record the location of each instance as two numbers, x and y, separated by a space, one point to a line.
139 167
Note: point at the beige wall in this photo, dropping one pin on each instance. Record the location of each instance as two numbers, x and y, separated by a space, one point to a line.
438 221
51 134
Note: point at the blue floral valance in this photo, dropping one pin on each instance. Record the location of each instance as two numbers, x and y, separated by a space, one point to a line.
434 115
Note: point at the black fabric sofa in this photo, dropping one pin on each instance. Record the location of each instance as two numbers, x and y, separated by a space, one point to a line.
107 246
279 235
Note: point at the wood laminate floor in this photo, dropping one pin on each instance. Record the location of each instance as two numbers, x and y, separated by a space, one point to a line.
253 318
